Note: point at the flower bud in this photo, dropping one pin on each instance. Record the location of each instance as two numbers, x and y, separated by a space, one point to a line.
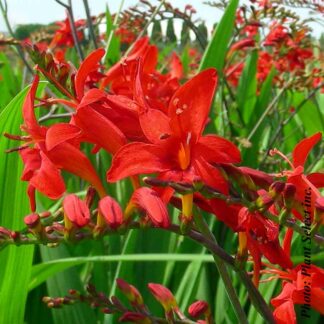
32 221
276 188
198 308
131 293
111 212
149 201
164 296
76 212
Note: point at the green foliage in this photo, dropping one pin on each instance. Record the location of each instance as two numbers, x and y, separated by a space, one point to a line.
156 34
185 34
214 55
170 34
16 261
24 31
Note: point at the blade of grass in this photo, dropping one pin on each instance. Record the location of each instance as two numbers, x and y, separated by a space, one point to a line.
215 53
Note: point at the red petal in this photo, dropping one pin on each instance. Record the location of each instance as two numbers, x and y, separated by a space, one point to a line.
275 254
99 129
76 210
48 179
71 159
211 176
176 67
32 162
216 149
285 313
148 200
139 48
190 105
317 179
92 96
28 106
303 148
136 158
155 125
90 64
59 133
150 59
111 211
139 96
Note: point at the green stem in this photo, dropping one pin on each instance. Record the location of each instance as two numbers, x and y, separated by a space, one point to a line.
222 269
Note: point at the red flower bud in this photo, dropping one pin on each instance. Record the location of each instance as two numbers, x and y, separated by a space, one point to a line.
148 200
32 220
132 294
276 188
111 211
198 308
164 296
76 212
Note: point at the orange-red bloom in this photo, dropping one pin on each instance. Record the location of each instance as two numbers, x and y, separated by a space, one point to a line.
178 151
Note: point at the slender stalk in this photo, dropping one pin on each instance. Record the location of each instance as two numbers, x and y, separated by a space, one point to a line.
222 269
266 112
70 15
90 24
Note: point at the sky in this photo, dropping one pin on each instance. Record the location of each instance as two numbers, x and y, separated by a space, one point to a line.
45 11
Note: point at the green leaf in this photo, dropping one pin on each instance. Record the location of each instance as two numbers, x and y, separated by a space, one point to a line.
246 92
113 52
16 262
215 53
309 114
60 284
41 272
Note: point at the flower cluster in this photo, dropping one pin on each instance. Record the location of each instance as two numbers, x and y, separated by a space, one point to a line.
151 126
139 311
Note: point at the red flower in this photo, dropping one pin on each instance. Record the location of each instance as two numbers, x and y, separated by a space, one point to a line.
178 150
63 36
43 164
298 281
296 176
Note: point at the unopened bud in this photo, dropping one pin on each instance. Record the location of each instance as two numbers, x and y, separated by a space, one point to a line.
164 296
131 293
32 221
276 189
264 201
198 308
